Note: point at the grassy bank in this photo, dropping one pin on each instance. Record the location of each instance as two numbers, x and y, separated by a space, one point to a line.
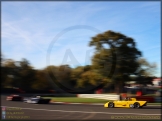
154 103
77 100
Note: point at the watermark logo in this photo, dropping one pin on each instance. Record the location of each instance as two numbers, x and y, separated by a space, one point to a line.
58 78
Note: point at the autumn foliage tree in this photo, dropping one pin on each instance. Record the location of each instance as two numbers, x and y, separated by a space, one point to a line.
115 53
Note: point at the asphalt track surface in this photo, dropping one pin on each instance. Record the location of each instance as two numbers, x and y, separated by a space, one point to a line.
19 110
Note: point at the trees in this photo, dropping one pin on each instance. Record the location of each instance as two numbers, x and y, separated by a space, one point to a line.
59 77
115 57
17 74
145 68
26 74
41 82
86 80
8 72
76 75
145 71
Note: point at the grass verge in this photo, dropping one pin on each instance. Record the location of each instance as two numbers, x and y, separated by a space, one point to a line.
154 103
77 100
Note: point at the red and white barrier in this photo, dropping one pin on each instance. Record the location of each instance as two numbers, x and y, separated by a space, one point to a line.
149 99
100 96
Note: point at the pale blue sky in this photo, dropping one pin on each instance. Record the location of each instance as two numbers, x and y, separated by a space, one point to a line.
29 28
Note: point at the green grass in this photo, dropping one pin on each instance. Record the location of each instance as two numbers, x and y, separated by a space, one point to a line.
77 100
154 103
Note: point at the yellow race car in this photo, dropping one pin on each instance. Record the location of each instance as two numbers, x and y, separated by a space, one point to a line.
126 103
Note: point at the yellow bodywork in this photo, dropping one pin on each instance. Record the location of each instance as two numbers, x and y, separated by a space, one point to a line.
125 104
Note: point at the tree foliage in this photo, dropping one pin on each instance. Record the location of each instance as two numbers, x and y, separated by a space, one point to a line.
146 68
115 51
116 58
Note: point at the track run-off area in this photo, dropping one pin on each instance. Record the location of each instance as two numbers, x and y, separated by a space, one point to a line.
20 110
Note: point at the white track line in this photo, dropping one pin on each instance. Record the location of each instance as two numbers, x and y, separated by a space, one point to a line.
82 111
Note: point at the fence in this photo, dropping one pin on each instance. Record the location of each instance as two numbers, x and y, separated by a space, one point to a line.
99 96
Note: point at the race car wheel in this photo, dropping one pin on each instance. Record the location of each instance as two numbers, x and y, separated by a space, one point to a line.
111 105
136 105
131 106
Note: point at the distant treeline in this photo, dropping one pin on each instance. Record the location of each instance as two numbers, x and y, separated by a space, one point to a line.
110 69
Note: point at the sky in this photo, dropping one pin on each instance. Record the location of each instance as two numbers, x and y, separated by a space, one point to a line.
55 33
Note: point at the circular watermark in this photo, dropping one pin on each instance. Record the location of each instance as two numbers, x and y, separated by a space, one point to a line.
55 80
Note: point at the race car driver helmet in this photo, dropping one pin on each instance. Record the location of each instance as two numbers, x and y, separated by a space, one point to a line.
127 98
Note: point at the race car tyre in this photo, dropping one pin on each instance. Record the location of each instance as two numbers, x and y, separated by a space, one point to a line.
111 105
136 105
131 106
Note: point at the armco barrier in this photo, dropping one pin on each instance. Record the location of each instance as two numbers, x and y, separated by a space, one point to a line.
99 96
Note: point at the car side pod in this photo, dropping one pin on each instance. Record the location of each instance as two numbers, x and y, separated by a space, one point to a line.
109 105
